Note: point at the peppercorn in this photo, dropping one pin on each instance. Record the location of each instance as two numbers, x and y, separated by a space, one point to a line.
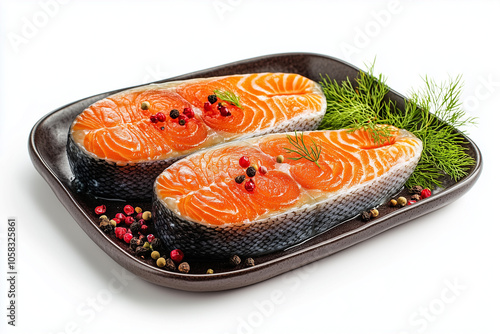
128 209
393 202
112 222
263 170
212 98
177 255
146 215
135 242
425 193
143 252
156 244
129 220
135 228
188 112
402 201
235 260
161 117
182 122
128 237
416 190
161 262
103 217
146 245
137 209
250 186
170 264
153 119
174 113
184 267
101 209
224 111
415 197
145 105
280 159
144 229
105 226
239 179
244 161
155 255
374 213
219 106
249 262
365 216
210 271
251 171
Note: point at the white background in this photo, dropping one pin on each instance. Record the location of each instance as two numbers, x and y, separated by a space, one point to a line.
55 52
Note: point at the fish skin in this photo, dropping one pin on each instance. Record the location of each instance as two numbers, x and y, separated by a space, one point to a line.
134 180
279 231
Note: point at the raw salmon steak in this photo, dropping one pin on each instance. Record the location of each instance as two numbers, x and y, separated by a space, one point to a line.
200 208
115 148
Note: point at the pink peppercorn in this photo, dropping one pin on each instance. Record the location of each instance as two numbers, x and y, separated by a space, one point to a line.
119 217
100 210
120 232
128 209
161 117
177 255
425 193
188 112
127 237
207 106
129 220
150 237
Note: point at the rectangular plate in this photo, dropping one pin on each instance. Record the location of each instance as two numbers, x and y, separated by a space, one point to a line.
47 146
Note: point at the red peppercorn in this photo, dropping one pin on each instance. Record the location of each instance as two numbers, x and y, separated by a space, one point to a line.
262 170
150 237
120 232
188 112
127 237
425 193
182 119
144 228
207 106
153 119
141 221
244 161
100 210
224 111
128 209
119 217
161 117
250 186
177 255
138 216
129 220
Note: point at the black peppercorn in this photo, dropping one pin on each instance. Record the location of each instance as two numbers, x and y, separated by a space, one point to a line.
174 113
365 216
415 197
169 263
135 242
156 244
416 190
235 260
212 98
135 228
239 179
251 171
182 122
142 252
249 262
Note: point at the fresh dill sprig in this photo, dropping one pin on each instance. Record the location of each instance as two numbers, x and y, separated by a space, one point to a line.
312 153
433 114
229 97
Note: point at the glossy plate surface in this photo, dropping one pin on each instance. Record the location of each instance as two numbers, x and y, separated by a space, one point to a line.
47 146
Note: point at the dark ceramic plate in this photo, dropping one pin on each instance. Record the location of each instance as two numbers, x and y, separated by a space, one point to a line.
47 144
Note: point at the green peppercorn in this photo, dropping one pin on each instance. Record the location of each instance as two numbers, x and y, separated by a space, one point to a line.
239 179
280 159
103 217
402 201
249 262
146 245
155 255
251 171
161 262
393 202
146 215
145 105
184 267
374 213
174 113
210 271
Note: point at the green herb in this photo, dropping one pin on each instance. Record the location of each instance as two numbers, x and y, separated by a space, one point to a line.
432 114
229 97
312 153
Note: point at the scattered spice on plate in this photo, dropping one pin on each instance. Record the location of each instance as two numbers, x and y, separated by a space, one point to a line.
280 159
365 216
402 201
235 260
184 267
374 213
249 262
251 171
145 105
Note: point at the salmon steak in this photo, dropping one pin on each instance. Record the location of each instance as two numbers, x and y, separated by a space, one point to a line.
120 144
256 196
